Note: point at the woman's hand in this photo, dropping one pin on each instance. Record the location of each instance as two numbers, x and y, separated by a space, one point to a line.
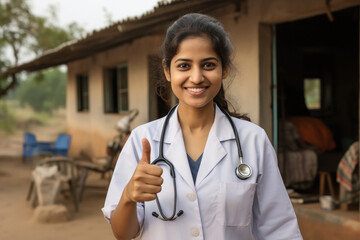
146 181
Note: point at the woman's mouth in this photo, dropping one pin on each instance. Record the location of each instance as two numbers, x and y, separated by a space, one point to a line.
196 90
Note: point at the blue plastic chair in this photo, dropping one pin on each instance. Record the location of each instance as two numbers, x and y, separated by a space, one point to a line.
30 144
60 147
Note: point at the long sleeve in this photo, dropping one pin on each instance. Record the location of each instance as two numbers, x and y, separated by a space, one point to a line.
274 216
125 166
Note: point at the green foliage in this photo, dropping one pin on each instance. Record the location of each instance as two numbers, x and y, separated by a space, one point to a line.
6 118
312 92
15 22
21 32
46 95
48 36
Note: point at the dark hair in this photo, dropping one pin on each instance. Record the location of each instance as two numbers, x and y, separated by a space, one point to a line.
195 24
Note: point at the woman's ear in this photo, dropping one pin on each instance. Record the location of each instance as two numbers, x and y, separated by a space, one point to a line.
225 72
166 70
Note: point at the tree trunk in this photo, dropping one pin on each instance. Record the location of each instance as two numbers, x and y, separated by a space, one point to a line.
11 85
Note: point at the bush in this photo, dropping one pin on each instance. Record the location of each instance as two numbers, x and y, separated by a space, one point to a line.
44 92
7 119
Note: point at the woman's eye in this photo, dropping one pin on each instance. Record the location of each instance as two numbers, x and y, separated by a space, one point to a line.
183 66
209 66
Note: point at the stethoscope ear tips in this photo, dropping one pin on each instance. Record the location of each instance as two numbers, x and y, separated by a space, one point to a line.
181 212
243 171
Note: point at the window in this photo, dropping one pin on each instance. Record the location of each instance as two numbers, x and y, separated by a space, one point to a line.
312 93
116 89
82 87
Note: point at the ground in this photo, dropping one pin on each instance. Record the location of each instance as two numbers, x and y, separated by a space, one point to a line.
16 214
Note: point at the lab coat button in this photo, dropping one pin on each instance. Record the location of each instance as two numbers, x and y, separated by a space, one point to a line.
195 232
191 197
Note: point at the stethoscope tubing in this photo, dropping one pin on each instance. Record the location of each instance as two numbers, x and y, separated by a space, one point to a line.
240 154
159 159
243 171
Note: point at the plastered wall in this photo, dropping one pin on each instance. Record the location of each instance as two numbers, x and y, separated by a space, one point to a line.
91 130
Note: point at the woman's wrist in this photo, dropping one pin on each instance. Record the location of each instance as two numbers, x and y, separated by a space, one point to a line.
126 199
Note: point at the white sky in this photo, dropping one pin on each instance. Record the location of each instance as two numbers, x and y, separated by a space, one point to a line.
91 14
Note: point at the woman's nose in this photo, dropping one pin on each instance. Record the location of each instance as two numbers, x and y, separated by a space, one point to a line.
196 76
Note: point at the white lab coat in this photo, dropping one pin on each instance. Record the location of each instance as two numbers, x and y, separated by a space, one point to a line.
219 205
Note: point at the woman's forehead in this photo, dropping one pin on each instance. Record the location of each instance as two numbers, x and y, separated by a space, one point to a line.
195 47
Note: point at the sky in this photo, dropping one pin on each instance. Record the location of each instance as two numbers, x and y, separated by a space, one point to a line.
91 14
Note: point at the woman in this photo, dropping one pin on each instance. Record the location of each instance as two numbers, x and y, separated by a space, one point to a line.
211 201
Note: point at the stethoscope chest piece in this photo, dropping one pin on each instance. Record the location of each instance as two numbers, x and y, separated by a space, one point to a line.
243 171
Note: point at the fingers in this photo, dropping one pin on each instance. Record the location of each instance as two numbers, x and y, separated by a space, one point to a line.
143 187
148 179
149 189
145 197
141 193
149 169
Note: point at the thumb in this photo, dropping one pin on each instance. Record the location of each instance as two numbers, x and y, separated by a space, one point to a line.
146 151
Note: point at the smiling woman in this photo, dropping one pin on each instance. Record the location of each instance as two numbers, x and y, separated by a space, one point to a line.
214 188
195 73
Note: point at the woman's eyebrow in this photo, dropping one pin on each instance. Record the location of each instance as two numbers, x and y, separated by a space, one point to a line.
210 58
189 60
182 60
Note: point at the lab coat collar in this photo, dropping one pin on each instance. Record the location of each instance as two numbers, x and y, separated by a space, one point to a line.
221 126
213 153
171 130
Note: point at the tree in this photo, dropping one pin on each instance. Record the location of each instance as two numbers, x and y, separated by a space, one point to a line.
46 95
22 31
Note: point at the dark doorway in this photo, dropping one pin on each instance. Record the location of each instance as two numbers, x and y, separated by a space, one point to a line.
318 90
157 106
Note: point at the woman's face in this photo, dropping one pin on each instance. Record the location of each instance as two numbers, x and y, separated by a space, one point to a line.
195 72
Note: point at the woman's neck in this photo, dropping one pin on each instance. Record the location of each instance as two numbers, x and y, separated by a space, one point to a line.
196 119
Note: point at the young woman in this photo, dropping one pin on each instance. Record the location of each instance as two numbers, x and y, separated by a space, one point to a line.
212 196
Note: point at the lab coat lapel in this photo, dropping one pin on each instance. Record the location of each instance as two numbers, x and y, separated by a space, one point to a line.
174 148
214 151
177 155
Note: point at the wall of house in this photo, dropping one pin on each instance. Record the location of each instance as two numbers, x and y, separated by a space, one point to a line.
92 130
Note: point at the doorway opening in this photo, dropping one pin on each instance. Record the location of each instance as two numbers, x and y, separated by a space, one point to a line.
157 106
317 96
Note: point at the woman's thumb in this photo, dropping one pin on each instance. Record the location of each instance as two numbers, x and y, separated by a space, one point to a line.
146 151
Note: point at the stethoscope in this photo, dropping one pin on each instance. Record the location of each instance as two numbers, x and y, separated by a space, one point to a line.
242 171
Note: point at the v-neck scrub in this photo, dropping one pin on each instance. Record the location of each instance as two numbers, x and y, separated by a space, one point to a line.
194 166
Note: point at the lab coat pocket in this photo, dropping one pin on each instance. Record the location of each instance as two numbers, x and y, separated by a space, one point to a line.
234 205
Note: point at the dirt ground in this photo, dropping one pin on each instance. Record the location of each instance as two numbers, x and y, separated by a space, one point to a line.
16 214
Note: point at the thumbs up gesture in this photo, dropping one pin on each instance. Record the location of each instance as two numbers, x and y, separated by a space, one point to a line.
146 181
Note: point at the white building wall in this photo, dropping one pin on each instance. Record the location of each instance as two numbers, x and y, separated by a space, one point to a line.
93 129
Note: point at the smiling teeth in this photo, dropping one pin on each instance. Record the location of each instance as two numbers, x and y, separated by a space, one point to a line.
196 89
